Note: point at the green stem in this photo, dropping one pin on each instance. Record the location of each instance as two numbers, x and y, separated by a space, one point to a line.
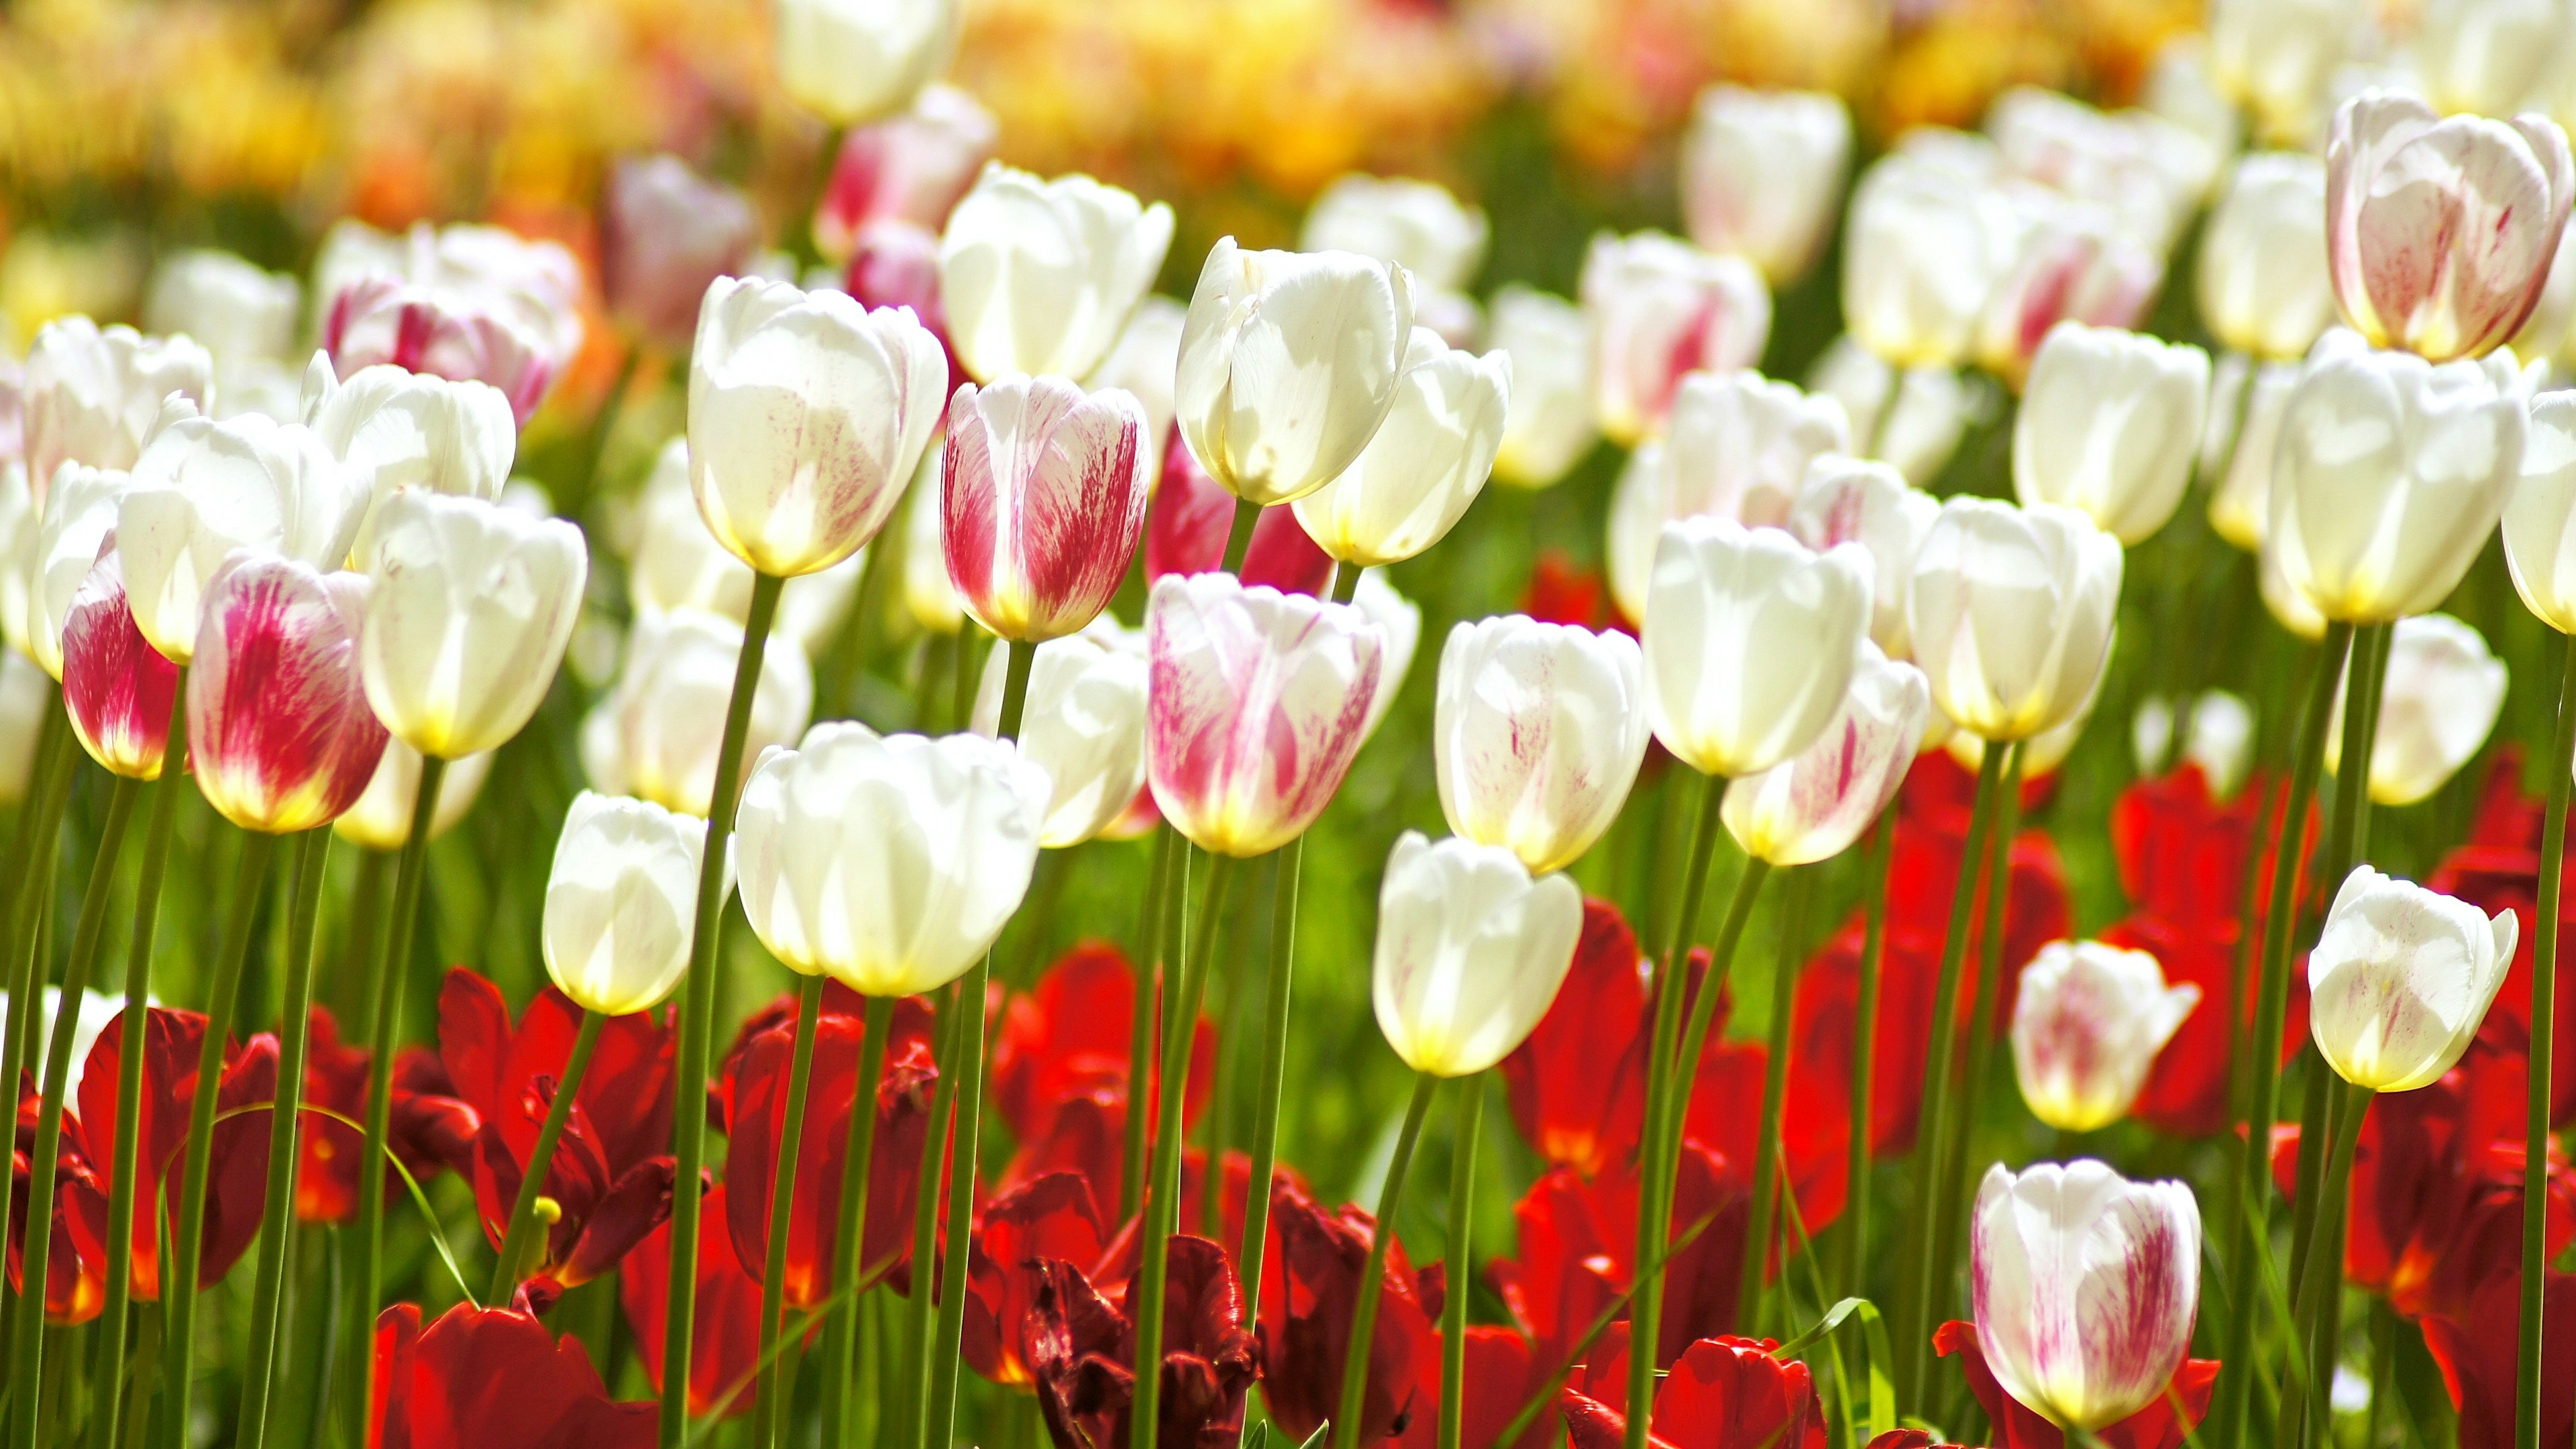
915 1401
1346 583
38 847
1462 1266
285 1142
849 1244
962 1149
522 1223
1238 537
1355 1358
1140 1017
1759 1225
2544 1023
1272 1083
697 1014
2383 1368
767 1409
2320 1295
1864 1038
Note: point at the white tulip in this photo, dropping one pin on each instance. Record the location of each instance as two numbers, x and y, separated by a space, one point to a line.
2488 57
1661 309
676 564
1911 418
2181 89
2072 260
2150 172
94 397
1762 172
2540 517
1416 225
2274 57
659 733
1814 804
1142 364
79 517
1470 952
1548 427
855 61
1750 642
2088 1020
2400 980
470 608
1926 246
239 311
1429 460
1845 500
2443 692
1041 276
392 429
2244 436
1537 735
2041 754
1084 725
2264 288
2108 424
2288 606
381 820
2011 611
621 903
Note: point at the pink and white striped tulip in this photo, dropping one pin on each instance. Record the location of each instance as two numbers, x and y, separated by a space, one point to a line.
2075 261
279 732
1814 804
459 302
1537 735
1750 642
913 167
1256 703
2440 231
1661 309
1043 491
2088 1021
117 689
1847 500
2400 980
92 395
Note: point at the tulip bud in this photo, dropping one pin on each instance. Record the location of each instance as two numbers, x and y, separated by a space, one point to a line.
1470 952
1084 725
1926 245
1257 703
2264 287
2400 979
26 700
1548 426
2485 57
2012 611
1813 805
459 302
279 733
1762 172
380 819
1750 642
1416 225
78 520
1043 498
888 864
2540 516
117 688
912 167
2439 233
665 235
2240 506
1142 363
1537 735
659 733
2074 261
469 612
93 397
1661 309
239 311
1427 463
1041 276
393 430
2443 692
2390 474
807 415
1910 419
676 564
2108 423
1844 500
2274 58
853 61
1269 429
2087 1023
621 903
2085 1286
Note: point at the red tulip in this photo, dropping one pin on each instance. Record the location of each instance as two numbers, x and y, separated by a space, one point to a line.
1306 1322
1722 1393
1578 1242
1561 591
1081 1350
429 1129
1503 1370
75 1285
2477 1350
1051 1218
117 688
724 1334
1068 1035
493 1378
1192 514
2157 1426
2496 869
279 730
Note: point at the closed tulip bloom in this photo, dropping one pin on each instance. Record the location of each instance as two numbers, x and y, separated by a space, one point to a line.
2088 1020
1084 726
241 312
659 734
1257 703
911 167
1762 173
2389 476
2084 1287
1813 805
459 302
380 818
676 564
117 688
1926 246
1043 492
2240 505
2040 755
2400 980
1537 735
2012 611
1470 952
1661 309
665 234
2073 260
2439 704
92 397
807 416
2274 58
1416 225
79 517
2108 424
888 864
393 430
1910 419
1041 276
2487 57
1429 460
1750 642
853 61
621 903
2151 172
471 608
2440 232
2540 516
1289 362
1846 500
1548 426
279 733
2264 287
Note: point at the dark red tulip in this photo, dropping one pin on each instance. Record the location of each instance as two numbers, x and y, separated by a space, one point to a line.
1068 1034
117 688
1722 1393
1561 591
1902 1439
1503 1370
1192 514
429 1128
2477 1352
1306 1311
2157 1426
2497 869
1578 1252
1081 1352
75 1284
1050 1218
493 1378
724 1334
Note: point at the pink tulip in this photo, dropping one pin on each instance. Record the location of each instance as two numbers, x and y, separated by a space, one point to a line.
1256 703
896 264
1185 532
467 303
912 168
1661 308
665 233
2077 262
278 724
116 687
1044 491
2439 232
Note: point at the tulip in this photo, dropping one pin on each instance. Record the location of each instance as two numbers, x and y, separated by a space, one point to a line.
1844 500
1427 463
1084 726
913 167
1762 172
2085 1286
393 430
2439 233
2073 260
1143 363
26 701
2439 702
1926 245
77 525
493 1377
1738 447
1187 526
381 818
90 1016
469 611
1910 419
2107 425
1537 735
1043 497
2240 505
1470 952
1724 1392
807 416
2540 515
1258 702
2011 612
2264 286
2544 333
2151 172
1081 1345
1547 427
2390 475
240 312
2218 737
94 397
927 592
1660 309
853 61
2400 980
675 564
117 688
1289 362
1401 620
658 733
2040 755
2275 57
1750 642
665 235
279 732
724 1322
2088 1020
888 864
1041 276
619 903
2486 57
1416 225
459 302
894 265
1814 804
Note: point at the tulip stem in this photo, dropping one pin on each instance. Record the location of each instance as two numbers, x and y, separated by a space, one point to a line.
277 1220
1272 1082
769 1411
1760 1224
2544 1024
1346 583
37 844
1238 537
1864 1037
188 1237
849 1243
2320 1295
697 1013
1461 1268
27 1342
1355 1358
925 1229
1140 1022
961 1198
2248 1249
532 1179
129 1074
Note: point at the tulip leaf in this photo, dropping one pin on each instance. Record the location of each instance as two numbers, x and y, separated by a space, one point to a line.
1316 1439
437 1233
1882 1388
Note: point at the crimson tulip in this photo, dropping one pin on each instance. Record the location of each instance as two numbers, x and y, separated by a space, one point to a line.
2476 1352
724 1331
1065 1041
1578 1252
1043 487
1186 529
1722 1393
1306 1313
1503 1369
75 1286
492 1378
430 1128
2163 1424
2497 868
1560 591
1081 1353
1049 1218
